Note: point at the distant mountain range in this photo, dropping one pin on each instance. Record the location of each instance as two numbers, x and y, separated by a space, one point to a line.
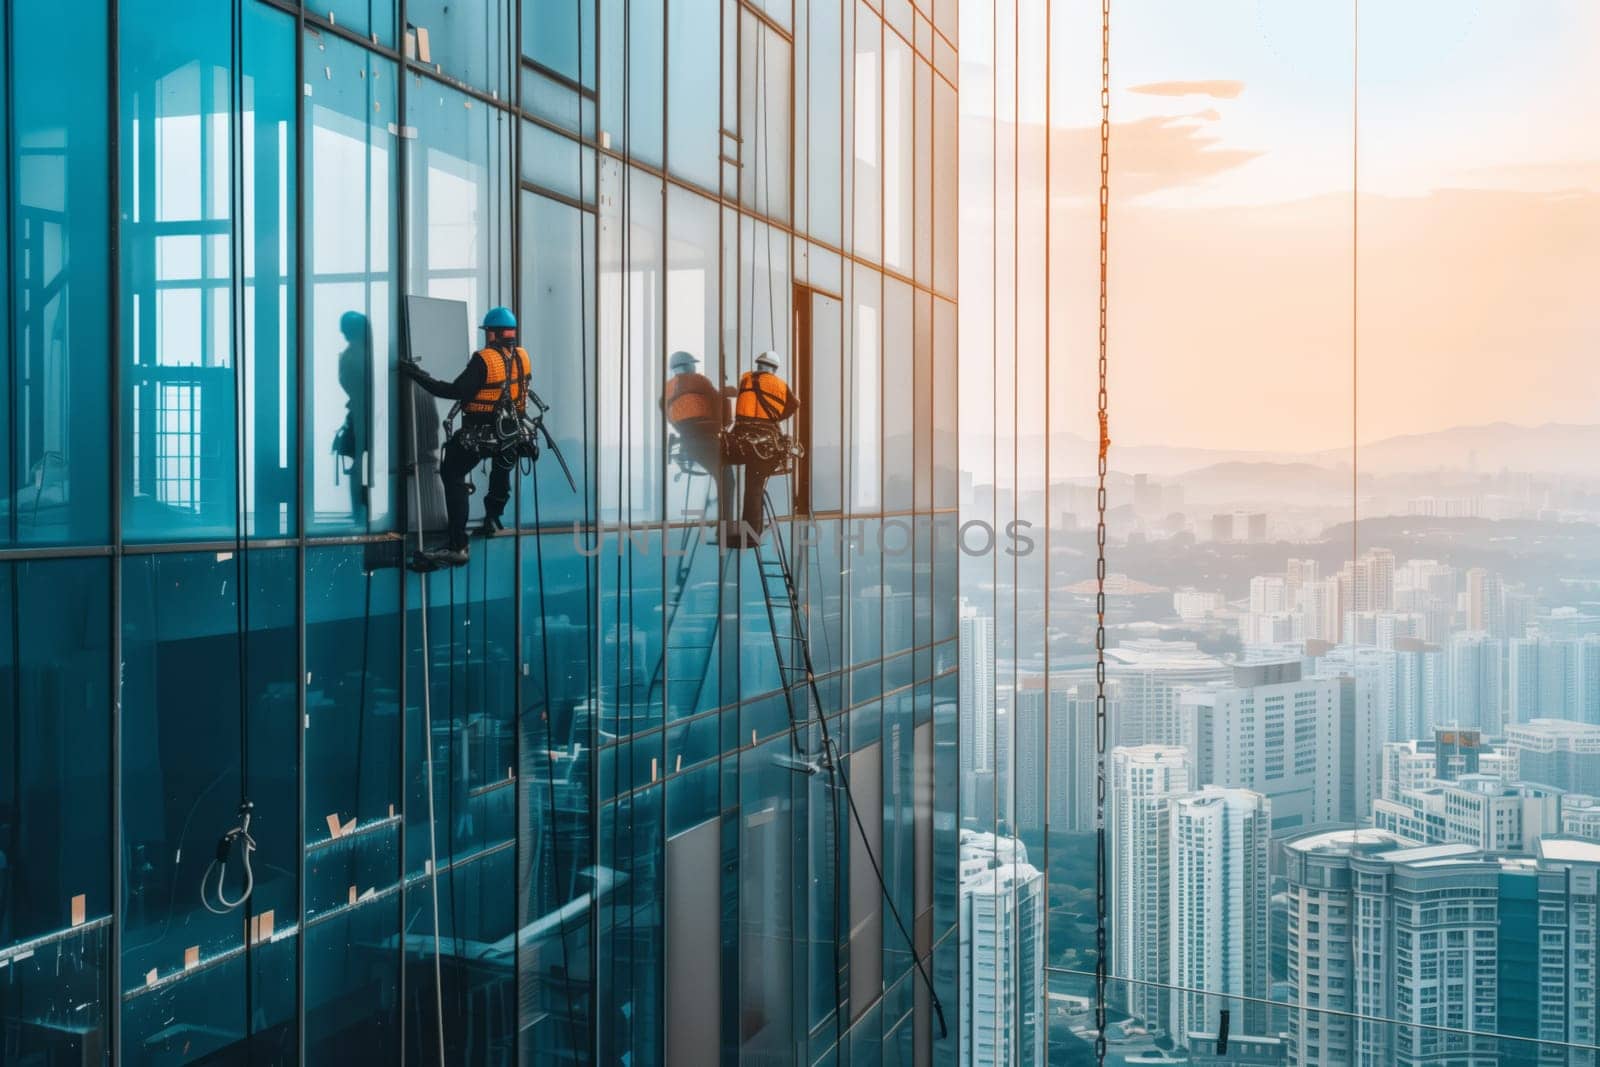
1553 448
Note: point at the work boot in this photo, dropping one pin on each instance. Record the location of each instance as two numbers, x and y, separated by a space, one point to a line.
490 526
450 557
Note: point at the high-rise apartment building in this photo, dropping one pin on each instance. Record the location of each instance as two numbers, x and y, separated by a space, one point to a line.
544 807
1481 810
1409 955
1271 731
1486 602
1474 662
1554 678
1217 908
1144 780
1067 779
1557 753
1150 674
1420 689
977 703
1002 1008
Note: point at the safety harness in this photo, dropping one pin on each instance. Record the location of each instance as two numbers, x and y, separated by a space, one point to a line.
510 435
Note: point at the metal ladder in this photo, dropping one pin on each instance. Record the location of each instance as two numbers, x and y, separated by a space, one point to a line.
791 644
688 551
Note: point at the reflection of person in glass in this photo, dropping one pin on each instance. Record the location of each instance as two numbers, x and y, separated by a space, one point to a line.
757 441
353 442
495 376
693 405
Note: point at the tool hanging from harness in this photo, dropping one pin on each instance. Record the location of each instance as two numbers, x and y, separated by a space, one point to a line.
757 412
508 435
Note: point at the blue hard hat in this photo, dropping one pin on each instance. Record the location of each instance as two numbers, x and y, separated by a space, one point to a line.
499 318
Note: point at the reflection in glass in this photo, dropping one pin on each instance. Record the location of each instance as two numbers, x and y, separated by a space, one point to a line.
184 736
53 432
764 118
349 292
187 414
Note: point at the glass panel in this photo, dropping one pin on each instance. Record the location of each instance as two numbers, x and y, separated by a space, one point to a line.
350 294
185 738
467 41
767 822
629 986
551 37
764 118
459 174
182 394
557 842
631 432
824 137
645 56
827 406
866 424
899 396
352 797
557 304
868 228
945 185
57 258
55 747
923 177
269 230
370 18
694 109
899 119
461 666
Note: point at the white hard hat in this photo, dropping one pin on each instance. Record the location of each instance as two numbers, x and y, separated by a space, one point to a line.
768 360
682 362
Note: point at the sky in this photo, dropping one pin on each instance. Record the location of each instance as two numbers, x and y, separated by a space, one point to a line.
1231 246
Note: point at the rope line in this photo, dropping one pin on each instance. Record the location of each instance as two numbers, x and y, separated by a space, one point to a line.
1100 725
427 731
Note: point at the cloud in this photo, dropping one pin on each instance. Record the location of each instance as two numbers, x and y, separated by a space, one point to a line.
1221 88
1160 152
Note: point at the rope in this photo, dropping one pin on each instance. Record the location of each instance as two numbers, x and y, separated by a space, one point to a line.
1355 272
427 732
1100 724
219 903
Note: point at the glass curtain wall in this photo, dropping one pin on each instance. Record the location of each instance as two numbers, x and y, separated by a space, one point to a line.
552 806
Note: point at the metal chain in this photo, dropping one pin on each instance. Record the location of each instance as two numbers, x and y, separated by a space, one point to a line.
1100 724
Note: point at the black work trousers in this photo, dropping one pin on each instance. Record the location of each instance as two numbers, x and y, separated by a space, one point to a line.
759 446
455 470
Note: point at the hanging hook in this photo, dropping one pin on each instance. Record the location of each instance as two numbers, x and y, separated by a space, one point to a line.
247 844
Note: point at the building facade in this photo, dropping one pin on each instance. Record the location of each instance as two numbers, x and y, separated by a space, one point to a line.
1273 732
1218 909
542 808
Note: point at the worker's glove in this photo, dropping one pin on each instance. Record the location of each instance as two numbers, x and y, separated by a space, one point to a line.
413 370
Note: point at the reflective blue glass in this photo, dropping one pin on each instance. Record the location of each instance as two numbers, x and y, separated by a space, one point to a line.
559 35
629 929
468 40
694 100
557 876
53 489
207 235
351 140
185 736
54 743
557 304
369 18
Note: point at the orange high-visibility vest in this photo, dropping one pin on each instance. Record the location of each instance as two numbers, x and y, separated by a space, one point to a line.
691 396
763 396
496 362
